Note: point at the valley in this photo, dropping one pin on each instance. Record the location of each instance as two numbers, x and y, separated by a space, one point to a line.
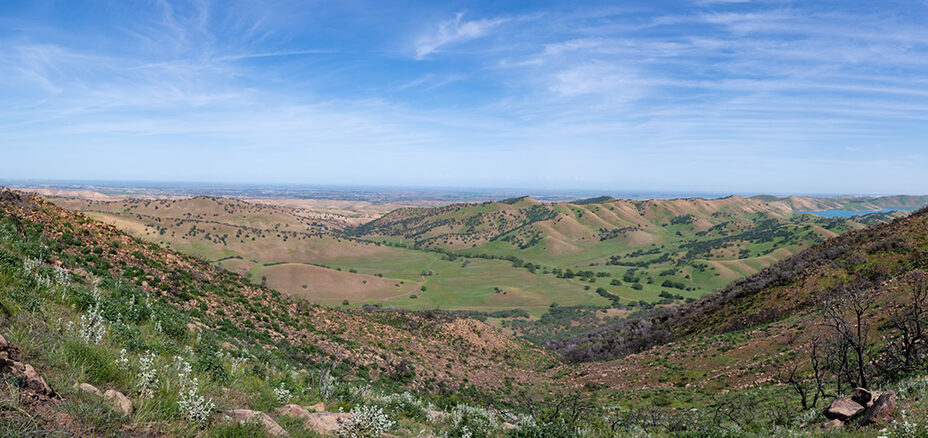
510 262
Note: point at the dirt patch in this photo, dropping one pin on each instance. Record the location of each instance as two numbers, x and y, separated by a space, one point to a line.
328 286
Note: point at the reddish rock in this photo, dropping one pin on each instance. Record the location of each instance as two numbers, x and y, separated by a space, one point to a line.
89 389
267 423
843 409
326 422
119 400
882 411
832 425
292 410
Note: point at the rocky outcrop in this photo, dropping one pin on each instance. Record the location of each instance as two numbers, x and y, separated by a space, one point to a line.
876 407
882 411
28 377
843 409
267 423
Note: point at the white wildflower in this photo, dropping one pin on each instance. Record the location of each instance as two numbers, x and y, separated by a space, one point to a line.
282 394
148 375
365 422
92 325
196 408
123 361
183 371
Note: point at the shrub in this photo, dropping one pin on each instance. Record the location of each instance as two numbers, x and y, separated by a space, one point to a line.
92 326
406 403
196 408
365 422
471 422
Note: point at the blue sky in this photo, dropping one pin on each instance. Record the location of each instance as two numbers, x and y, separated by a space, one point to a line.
702 95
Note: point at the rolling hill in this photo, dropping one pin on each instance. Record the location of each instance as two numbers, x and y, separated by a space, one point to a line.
493 257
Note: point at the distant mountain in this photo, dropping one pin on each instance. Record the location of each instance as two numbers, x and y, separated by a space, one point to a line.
853 203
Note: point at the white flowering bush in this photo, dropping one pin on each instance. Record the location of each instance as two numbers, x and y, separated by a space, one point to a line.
92 326
183 369
282 394
471 422
31 265
365 422
60 276
196 408
405 402
148 375
123 361
238 364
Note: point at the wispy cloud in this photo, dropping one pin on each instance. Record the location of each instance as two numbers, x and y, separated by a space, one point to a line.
729 81
453 31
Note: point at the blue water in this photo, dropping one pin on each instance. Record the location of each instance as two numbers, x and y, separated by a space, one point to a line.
848 213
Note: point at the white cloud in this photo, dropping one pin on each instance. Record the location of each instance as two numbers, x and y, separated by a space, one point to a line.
455 30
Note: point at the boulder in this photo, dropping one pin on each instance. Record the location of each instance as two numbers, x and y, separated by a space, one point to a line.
318 407
832 425
267 423
843 409
119 400
882 411
292 410
89 389
325 422
508 426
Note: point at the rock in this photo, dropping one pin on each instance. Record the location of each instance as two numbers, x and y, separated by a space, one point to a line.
843 409
883 410
325 422
267 423
3 343
293 411
508 426
862 396
303 371
318 407
227 346
832 425
33 380
119 400
89 389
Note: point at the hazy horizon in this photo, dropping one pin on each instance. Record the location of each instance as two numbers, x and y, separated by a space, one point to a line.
712 96
343 191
